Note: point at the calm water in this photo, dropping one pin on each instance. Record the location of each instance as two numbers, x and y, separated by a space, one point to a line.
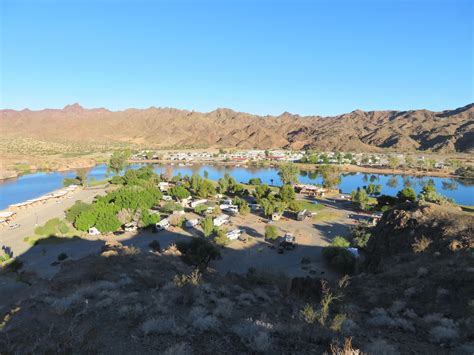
34 185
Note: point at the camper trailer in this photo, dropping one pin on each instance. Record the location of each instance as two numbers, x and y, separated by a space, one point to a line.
234 234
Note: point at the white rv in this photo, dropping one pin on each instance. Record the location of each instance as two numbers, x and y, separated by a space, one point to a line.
234 234
229 208
167 198
93 231
220 220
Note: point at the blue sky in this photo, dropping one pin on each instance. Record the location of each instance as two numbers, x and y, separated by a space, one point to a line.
265 57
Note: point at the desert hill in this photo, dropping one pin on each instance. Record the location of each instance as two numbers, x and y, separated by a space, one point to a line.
413 296
446 131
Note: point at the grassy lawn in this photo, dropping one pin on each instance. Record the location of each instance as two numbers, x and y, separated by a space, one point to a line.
98 182
327 215
53 231
310 206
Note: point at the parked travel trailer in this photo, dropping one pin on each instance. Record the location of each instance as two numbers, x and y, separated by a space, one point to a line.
162 225
229 208
234 234
276 216
220 220
167 198
255 207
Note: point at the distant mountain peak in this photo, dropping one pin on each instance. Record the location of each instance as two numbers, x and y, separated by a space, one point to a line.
73 108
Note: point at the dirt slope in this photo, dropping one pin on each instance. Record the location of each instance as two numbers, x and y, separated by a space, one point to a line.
446 131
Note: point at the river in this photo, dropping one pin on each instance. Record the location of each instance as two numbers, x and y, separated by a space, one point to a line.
34 185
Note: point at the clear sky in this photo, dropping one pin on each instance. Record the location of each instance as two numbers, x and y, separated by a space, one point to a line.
265 57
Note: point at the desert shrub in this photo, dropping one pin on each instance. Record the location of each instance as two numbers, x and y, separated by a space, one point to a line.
207 226
194 278
85 220
155 245
338 256
177 220
179 192
340 242
171 207
253 336
271 232
200 209
198 252
62 256
337 321
345 349
407 194
117 180
149 219
421 244
308 314
360 236
380 346
221 238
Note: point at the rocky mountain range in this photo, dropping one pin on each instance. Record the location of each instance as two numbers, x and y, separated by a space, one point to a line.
445 131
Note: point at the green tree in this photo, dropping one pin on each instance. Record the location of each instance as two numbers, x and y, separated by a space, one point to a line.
407 194
76 209
262 191
288 173
393 162
221 238
267 206
149 219
271 232
255 181
287 193
107 221
207 226
201 209
205 189
179 192
118 161
86 220
331 175
360 197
